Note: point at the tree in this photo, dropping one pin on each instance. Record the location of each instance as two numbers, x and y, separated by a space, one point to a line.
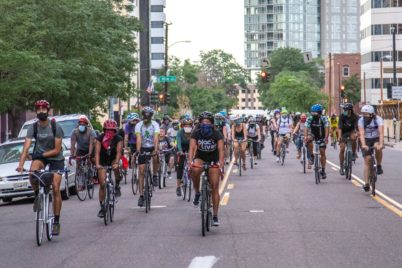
295 91
352 89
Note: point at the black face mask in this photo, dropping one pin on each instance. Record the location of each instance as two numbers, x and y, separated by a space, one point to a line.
42 116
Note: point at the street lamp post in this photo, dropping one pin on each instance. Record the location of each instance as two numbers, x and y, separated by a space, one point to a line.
339 86
381 76
393 30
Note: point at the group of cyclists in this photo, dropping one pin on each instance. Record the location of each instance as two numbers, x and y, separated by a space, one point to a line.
208 138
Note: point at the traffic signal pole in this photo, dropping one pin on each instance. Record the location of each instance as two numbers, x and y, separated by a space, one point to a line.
166 87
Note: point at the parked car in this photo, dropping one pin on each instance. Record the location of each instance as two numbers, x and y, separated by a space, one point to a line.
14 184
67 122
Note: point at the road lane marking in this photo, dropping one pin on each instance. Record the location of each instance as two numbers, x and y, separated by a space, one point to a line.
225 199
225 179
256 211
151 207
203 262
333 168
230 186
386 201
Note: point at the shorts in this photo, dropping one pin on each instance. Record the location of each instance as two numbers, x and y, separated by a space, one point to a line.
142 158
282 136
168 155
53 164
82 153
345 136
323 145
207 157
132 147
370 143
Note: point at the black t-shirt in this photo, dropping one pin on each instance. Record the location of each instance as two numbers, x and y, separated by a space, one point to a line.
108 156
165 143
348 124
207 148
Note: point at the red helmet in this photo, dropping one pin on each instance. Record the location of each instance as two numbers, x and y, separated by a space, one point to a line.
110 124
42 103
83 119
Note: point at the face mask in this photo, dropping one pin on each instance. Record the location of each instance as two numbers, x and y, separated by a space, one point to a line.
206 130
303 120
82 128
285 116
345 113
175 127
187 129
42 116
367 120
277 116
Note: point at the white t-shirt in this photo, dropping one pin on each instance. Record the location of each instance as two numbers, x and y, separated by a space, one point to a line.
284 125
147 133
172 133
371 131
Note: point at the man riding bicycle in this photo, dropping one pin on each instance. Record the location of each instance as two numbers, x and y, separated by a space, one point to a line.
183 145
48 150
165 143
347 128
130 139
284 127
334 121
371 129
82 140
298 132
107 153
147 132
206 145
253 134
317 130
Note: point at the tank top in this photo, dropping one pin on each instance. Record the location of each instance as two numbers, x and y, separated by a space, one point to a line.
239 134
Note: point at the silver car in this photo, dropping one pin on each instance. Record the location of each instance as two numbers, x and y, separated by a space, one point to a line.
14 184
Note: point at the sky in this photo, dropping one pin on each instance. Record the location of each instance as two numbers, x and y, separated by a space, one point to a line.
208 24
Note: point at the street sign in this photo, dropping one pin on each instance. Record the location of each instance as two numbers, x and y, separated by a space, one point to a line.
168 79
397 93
391 70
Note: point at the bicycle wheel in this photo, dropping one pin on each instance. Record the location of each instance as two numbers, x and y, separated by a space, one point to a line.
209 213
259 151
90 184
134 181
50 218
185 181
162 171
373 179
111 201
106 210
204 207
40 221
190 185
283 154
304 159
251 156
147 192
240 163
80 185
349 167
317 170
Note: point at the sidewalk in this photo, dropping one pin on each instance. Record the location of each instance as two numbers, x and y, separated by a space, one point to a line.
392 144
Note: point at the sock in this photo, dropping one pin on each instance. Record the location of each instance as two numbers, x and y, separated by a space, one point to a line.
56 218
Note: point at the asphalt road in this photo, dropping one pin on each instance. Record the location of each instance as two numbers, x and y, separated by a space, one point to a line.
273 216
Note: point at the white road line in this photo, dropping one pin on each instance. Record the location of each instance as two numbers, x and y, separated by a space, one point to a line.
256 211
334 168
203 262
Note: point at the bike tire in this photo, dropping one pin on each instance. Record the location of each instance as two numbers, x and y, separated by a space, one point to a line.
112 202
373 180
40 222
134 181
90 185
50 219
283 155
147 193
190 185
251 156
80 186
106 210
304 159
317 170
240 163
203 210
350 164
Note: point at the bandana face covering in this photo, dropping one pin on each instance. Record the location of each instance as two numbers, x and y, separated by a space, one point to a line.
107 139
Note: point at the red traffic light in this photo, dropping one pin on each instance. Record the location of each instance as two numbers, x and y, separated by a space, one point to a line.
264 74
161 96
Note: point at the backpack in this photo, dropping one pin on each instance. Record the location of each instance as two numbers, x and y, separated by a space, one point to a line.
35 131
375 123
280 120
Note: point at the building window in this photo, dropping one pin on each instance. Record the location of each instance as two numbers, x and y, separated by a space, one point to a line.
346 71
157 24
157 8
243 100
157 40
158 56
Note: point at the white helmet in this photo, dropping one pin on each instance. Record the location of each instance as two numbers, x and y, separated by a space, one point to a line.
368 109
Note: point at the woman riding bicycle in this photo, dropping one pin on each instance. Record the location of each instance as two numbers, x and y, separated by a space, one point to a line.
239 134
183 145
298 132
206 146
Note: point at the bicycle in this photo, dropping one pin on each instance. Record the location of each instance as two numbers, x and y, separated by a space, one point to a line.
372 170
239 155
44 215
231 150
83 182
251 152
282 153
110 197
187 183
134 177
303 160
123 171
317 161
348 159
148 186
259 145
334 139
205 207
162 172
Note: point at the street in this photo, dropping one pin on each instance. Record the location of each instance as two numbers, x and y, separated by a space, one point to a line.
272 216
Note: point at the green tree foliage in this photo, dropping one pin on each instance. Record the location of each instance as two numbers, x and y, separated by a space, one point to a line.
352 89
75 53
295 91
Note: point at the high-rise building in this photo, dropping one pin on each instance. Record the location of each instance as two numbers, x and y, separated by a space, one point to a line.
272 24
340 26
378 21
157 27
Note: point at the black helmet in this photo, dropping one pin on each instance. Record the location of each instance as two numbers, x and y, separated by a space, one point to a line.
206 115
348 107
147 112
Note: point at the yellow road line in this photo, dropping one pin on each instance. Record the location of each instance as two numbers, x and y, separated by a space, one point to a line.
230 186
225 179
225 199
380 197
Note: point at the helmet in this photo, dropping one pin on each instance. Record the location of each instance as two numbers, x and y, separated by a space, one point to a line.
251 120
234 117
133 116
316 108
42 103
166 117
348 107
206 115
219 116
110 124
284 112
147 112
277 111
83 119
223 113
187 121
368 109
298 113
175 123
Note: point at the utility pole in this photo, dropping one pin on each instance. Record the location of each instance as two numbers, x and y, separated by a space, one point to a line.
166 88
393 28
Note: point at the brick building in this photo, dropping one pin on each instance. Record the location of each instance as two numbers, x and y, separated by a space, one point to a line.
339 67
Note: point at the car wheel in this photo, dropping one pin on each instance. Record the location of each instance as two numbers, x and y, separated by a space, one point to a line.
7 199
65 194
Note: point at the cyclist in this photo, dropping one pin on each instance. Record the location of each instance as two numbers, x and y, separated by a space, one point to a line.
253 134
166 122
262 124
84 137
47 151
183 145
147 132
172 131
239 133
206 145
284 127
107 153
347 127
298 133
273 129
165 143
317 130
334 122
371 128
130 139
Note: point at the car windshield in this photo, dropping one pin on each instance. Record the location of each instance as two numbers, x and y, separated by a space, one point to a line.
10 153
67 126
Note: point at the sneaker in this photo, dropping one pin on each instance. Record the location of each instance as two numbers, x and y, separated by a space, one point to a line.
278 159
196 200
178 191
101 213
118 192
366 187
323 175
379 170
37 204
255 163
155 180
56 229
141 201
342 171
215 221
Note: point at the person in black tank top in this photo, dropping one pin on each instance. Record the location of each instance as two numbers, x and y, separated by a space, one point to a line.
239 134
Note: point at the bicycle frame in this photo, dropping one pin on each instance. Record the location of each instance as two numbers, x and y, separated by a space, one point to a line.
206 214
186 186
348 155
372 170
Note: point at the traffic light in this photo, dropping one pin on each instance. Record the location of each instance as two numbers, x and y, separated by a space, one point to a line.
342 91
168 98
162 98
154 98
264 76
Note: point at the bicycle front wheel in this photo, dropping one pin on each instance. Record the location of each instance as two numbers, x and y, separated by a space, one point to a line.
240 163
81 185
40 221
111 202
49 218
317 170
204 211
304 159
134 181
147 193
106 210
90 185
283 155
